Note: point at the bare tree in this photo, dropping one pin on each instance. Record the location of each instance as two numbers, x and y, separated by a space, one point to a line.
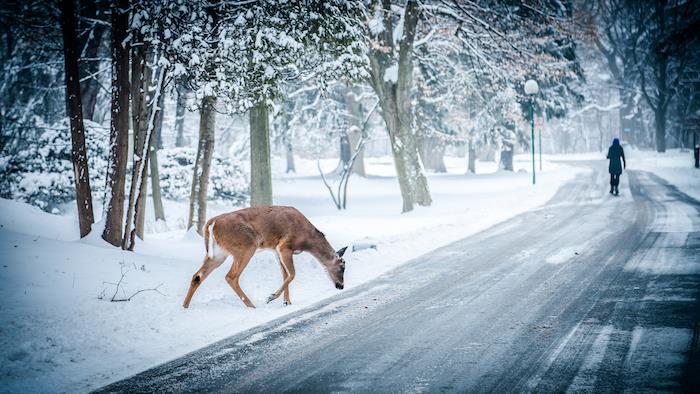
83 193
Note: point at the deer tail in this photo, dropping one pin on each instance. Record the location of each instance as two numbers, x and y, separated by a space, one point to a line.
209 240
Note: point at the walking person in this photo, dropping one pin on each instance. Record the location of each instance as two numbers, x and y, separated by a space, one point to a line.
615 153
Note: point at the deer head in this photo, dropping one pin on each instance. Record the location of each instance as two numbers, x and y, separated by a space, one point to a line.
336 268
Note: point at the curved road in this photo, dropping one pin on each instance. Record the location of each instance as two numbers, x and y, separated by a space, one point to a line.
589 293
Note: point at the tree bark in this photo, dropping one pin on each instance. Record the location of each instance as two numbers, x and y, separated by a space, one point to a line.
140 80
151 83
119 127
78 151
202 165
89 48
260 169
153 161
180 140
395 102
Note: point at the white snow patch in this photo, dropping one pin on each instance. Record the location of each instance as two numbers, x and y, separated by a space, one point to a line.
392 73
564 254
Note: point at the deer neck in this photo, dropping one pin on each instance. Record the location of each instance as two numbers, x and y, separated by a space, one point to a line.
322 250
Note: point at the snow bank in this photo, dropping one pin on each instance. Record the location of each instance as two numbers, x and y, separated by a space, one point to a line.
61 333
675 166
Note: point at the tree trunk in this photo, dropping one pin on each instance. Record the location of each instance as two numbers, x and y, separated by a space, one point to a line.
119 127
290 157
471 166
89 48
507 157
260 170
433 154
202 165
393 88
155 173
345 153
660 123
180 140
144 139
140 79
355 132
141 204
83 193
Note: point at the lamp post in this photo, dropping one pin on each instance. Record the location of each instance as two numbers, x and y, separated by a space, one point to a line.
539 141
531 89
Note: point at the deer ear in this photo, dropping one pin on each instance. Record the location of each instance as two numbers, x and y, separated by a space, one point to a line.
341 251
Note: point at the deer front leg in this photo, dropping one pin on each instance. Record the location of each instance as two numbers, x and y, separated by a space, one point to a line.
209 265
240 261
287 263
284 277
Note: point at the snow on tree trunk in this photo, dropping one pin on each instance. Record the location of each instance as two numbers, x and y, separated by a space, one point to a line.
260 168
200 177
119 128
151 82
83 194
392 83
140 78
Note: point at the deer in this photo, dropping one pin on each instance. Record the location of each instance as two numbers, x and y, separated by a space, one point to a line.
243 232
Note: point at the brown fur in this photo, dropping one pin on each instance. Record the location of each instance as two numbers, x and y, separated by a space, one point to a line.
241 233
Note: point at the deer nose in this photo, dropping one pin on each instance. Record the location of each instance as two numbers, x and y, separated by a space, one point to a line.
339 286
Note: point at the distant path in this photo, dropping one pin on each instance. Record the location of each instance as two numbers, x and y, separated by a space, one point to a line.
592 293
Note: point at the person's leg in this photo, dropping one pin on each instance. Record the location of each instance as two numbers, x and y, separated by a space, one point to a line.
612 183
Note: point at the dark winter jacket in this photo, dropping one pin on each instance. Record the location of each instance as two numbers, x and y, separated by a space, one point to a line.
615 153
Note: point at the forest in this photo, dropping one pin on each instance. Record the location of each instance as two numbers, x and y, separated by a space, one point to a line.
107 106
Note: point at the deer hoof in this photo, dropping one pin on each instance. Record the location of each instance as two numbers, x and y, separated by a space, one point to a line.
270 299
288 303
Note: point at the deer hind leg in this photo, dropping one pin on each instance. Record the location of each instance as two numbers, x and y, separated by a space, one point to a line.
240 261
209 265
287 263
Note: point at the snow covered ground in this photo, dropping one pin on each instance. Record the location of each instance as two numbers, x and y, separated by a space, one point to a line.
674 166
60 332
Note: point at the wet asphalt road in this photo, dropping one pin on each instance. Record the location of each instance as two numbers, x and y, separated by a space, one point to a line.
591 293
